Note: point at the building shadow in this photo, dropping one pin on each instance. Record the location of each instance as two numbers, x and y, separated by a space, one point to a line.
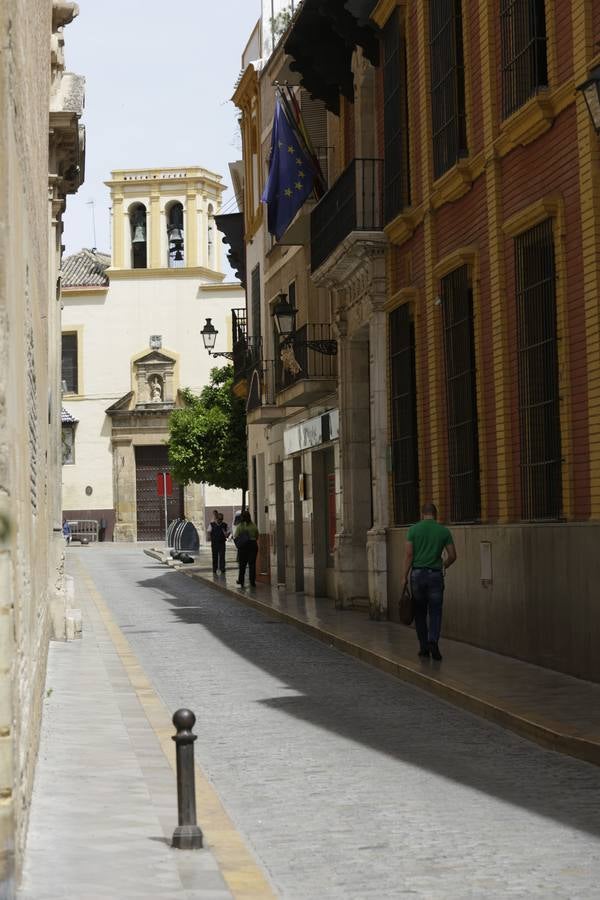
405 722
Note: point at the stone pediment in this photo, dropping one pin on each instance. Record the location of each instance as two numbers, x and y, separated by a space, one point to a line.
153 379
155 357
120 405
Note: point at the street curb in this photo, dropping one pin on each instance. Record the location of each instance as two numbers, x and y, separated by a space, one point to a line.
580 748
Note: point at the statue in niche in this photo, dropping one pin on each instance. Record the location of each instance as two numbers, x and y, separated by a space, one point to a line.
156 391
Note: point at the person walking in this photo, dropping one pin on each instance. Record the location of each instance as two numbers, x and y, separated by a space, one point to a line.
246 540
217 535
423 563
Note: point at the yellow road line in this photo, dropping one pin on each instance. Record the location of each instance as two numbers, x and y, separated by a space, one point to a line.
245 879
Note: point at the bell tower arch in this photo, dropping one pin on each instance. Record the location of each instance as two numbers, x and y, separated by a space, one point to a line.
164 219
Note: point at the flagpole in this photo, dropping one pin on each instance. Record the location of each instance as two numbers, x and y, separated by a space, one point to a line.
298 126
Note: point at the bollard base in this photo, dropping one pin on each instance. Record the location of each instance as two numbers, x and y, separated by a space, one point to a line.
187 837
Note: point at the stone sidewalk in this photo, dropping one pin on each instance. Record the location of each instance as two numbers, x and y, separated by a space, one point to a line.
104 803
557 711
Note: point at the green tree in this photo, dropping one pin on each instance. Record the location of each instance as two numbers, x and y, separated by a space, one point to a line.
207 437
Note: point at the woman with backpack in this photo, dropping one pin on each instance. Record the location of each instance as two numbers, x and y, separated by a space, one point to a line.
245 539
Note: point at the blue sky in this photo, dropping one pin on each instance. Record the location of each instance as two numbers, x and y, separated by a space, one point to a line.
139 112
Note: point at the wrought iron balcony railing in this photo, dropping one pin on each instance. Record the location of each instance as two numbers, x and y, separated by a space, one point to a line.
297 361
261 385
353 203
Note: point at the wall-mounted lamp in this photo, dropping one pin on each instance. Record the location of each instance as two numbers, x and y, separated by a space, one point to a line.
209 336
284 314
591 94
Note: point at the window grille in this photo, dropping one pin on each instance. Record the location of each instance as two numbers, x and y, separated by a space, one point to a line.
539 413
524 62
461 396
447 84
69 363
395 118
405 458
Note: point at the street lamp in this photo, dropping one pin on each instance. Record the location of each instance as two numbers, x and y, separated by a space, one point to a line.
591 94
209 336
284 314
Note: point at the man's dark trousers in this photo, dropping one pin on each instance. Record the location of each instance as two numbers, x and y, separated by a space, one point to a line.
218 555
427 587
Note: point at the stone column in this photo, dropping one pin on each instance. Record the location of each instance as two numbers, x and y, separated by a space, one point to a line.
124 489
377 534
191 230
193 500
350 555
154 224
120 221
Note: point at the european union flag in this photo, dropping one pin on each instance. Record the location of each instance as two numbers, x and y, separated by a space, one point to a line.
291 175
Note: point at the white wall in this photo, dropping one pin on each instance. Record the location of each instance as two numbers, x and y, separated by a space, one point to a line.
115 327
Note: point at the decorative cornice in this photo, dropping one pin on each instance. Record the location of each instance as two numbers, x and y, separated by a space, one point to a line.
246 89
462 256
404 295
191 272
404 225
384 10
544 208
534 118
456 181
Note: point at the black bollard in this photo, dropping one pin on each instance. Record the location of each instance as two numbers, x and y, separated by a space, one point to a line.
187 835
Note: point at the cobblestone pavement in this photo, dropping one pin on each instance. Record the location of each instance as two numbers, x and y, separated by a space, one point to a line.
346 782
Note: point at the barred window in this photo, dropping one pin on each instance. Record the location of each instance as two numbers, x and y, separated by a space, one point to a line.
395 118
524 62
69 363
539 414
447 84
405 464
461 396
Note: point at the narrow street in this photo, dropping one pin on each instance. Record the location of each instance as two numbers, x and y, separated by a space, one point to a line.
346 782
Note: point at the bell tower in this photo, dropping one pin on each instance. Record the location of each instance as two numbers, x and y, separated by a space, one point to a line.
163 219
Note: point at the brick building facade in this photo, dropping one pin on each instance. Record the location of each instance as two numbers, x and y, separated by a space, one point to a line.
460 270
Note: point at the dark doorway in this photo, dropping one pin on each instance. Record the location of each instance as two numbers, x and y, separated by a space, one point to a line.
279 523
298 529
149 461
324 519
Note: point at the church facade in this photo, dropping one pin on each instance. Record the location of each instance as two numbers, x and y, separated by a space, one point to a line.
131 343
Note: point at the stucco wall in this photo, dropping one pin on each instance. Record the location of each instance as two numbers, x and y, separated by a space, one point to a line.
114 328
543 604
25 30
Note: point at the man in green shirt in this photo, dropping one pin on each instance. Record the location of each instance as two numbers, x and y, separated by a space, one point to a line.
425 543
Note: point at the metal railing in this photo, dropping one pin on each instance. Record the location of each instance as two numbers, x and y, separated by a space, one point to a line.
353 203
300 362
261 385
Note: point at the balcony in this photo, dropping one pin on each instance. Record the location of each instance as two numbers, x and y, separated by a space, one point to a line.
350 214
260 406
304 375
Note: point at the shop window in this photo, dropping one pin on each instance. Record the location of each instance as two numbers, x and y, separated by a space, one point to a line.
447 84
539 413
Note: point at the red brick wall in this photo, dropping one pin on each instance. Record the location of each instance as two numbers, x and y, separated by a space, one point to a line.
548 165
